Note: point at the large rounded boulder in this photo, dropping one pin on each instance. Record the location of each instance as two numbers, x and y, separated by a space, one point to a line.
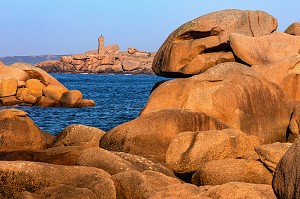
232 93
18 132
151 134
202 43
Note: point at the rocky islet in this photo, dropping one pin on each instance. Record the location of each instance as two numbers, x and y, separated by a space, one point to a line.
220 133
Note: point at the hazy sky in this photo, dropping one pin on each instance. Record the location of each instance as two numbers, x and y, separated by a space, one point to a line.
37 27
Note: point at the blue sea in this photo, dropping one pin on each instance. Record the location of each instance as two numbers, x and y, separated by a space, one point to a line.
119 99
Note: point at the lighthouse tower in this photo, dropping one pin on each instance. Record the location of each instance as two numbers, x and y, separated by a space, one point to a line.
101 45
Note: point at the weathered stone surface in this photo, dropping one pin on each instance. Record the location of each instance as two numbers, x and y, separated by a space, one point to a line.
239 190
151 134
18 132
216 172
179 191
265 49
284 73
9 101
129 65
189 150
286 179
87 102
30 99
37 73
47 102
18 74
117 162
8 85
294 129
233 93
270 154
133 184
35 87
78 135
293 29
71 98
183 50
46 179
53 92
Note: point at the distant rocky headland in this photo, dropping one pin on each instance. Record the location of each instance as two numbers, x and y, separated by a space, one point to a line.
111 60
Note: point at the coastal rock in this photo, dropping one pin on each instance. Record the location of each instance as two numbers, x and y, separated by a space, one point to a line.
87 102
78 135
30 99
9 101
118 162
35 87
8 85
129 65
150 135
133 184
239 190
216 172
188 47
53 92
37 73
293 29
43 180
18 132
71 98
189 150
232 93
294 123
284 73
179 191
286 179
270 154
20 75
265 49
44 101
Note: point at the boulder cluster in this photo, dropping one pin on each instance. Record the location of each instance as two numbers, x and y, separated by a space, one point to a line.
228 128
112 60
24 84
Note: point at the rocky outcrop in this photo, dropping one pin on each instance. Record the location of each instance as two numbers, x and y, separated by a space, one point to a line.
265 49
78 135
189 150
293 29
203 42
286 179
132 61
18 132
218 172
232 93
151 134
24 84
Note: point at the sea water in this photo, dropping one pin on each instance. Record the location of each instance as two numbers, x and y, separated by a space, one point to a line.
119 99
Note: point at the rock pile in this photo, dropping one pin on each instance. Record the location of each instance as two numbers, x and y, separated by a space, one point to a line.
112 60
28 85
218 134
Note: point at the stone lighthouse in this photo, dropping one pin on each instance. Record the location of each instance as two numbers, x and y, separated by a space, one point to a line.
101 45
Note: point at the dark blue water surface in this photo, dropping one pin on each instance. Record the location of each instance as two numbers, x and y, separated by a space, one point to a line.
119 98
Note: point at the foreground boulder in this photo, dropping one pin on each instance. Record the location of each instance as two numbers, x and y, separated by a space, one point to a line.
293 29
189 150
151 134
270 154
78 135
286 75
286 179
265 49
18 132
231 190
218 172
233 93
133 184
8 85
48 180
203 42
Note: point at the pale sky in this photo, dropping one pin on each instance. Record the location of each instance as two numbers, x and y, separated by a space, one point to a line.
39 27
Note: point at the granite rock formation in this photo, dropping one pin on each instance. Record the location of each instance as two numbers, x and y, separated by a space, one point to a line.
111 60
